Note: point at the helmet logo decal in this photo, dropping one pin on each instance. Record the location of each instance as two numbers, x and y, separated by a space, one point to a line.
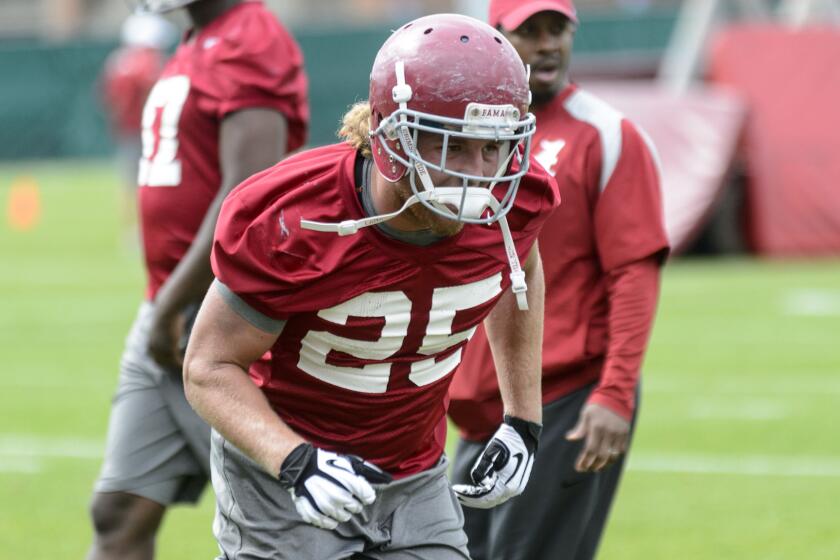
479 117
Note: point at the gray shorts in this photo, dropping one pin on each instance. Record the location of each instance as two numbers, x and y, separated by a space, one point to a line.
417 517
157 446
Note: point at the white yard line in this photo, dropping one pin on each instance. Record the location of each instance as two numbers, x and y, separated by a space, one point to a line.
799 383
27 454
811 303
19 465
752 465
21 446
749 409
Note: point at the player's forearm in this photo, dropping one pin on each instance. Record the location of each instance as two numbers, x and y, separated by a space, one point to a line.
227 400
515 338
633 293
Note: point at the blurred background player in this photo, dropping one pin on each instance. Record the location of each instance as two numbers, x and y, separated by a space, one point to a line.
129 73
365 328
602 250
230 102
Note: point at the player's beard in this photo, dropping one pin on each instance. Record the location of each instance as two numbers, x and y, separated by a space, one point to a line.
437 224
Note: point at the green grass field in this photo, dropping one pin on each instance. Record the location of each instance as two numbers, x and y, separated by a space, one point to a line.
736 454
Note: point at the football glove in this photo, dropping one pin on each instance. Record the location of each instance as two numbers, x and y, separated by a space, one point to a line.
327 488
503 468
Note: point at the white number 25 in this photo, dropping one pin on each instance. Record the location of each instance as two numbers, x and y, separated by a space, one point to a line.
395 309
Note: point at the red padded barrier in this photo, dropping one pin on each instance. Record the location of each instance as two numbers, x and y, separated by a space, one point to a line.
790 80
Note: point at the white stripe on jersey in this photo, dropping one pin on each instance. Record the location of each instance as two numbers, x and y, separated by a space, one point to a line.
654 153
587 108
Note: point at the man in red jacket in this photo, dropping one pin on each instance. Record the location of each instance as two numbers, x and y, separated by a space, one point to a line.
602 251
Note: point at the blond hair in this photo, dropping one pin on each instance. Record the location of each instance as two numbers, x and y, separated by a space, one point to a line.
355 127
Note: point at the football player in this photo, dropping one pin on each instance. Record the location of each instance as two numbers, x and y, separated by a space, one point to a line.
230 102
349 280
602 250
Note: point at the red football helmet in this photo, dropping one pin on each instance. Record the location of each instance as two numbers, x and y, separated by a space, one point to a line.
455 76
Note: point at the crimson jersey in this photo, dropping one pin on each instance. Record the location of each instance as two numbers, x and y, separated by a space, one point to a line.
243 59
127 78
374 327
611 216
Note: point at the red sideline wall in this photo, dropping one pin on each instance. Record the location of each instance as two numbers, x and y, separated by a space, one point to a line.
790 80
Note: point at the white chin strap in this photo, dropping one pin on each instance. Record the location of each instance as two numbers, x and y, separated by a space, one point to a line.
517 275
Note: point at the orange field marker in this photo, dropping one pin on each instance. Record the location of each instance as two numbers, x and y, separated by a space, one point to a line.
23 211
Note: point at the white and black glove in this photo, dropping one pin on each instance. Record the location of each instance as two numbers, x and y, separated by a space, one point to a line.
328 488
502 470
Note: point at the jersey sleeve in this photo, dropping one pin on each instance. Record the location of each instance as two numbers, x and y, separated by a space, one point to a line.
628 217
246 258
259 65
247 312
260 251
